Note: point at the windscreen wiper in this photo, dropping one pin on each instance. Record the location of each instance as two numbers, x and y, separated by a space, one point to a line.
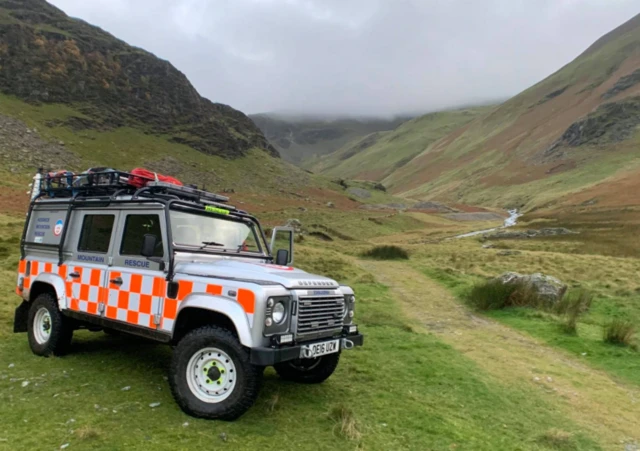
210 243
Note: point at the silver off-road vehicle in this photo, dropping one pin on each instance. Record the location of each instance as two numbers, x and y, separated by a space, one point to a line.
177 265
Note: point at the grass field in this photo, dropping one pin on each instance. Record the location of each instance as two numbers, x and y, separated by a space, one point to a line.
403 390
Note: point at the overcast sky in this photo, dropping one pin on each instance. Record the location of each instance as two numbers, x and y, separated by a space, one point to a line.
361 57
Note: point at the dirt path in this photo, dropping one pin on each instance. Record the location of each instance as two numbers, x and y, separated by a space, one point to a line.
588 396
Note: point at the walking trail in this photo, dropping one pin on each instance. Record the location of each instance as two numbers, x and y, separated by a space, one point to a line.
588 396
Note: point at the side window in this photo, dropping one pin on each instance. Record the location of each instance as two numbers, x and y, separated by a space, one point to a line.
135 228
96 233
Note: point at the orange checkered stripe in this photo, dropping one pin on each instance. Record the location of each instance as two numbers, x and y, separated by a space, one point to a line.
137 300
37 268
85 293
246 298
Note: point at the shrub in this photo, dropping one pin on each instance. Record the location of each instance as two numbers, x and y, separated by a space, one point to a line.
387 253
619 332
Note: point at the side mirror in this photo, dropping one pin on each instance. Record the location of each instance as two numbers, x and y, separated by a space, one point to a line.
149 243
282 245
282 257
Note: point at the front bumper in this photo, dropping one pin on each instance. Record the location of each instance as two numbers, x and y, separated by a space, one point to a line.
271 356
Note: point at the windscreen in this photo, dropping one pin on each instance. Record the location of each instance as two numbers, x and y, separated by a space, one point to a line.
209 232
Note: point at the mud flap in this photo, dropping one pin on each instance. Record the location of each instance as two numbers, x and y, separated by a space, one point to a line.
21 318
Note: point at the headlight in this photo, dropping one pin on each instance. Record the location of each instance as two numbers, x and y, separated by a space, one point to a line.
278 313
349 306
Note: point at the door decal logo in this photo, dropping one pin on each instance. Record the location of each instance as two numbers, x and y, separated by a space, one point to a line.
57 229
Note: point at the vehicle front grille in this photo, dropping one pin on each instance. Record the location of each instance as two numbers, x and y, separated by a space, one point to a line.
320 314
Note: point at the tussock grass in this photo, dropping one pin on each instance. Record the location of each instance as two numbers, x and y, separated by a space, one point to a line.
389 252
573 304
495 295
272 402
619 332
345 421
88 433
490 295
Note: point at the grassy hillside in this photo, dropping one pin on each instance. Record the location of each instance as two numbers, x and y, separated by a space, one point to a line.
28 143
379 154
576 130
302 140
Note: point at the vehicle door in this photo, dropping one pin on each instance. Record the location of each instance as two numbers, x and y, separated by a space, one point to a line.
87 251
136 286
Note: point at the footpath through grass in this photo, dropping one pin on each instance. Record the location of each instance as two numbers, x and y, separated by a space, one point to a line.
460 264
402 390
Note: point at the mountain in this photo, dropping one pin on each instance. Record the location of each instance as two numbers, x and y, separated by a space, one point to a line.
47 57
572 138
378 154
303 139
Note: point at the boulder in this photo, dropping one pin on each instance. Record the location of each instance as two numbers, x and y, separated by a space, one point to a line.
551 231
531 233
359 192
331 205
295 224
548 288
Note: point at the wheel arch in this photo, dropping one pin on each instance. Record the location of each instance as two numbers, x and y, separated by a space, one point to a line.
49 283
200 310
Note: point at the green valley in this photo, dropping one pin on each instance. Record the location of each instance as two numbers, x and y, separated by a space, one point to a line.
377 204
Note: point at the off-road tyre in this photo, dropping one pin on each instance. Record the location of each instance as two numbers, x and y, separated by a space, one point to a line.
60 328
308 371
247 378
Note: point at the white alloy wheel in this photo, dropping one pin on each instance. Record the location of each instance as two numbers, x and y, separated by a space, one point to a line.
211 375
42 325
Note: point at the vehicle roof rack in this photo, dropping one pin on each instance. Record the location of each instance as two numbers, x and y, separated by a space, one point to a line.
113 183
188 191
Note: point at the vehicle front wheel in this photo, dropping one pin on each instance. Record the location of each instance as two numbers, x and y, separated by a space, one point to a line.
211 375
309 371
49 331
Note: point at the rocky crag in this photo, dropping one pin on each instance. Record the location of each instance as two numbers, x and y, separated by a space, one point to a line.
48 57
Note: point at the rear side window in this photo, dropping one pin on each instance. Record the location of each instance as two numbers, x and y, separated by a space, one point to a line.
96 233
135 228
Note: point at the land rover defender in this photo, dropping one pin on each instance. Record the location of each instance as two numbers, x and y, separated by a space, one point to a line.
180 266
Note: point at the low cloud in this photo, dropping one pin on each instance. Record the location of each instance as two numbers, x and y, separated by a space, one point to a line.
360 57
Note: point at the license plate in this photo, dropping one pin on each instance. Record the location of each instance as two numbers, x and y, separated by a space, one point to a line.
320 349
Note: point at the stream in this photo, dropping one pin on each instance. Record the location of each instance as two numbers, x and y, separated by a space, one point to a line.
509 222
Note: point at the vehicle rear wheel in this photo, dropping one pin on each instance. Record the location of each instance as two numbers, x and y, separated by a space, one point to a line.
211 375
49 331
308 371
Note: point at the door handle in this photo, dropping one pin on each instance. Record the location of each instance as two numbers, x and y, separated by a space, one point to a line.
116 281
75 275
